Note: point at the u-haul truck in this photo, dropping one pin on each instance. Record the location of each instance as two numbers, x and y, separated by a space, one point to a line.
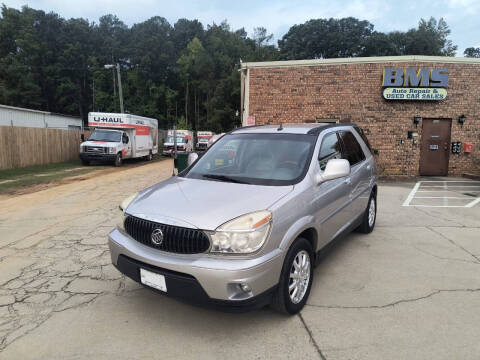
202 139
119 136
184 142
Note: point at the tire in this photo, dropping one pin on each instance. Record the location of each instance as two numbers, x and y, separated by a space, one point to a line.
149 156
85 162
118 160
282 299
368 221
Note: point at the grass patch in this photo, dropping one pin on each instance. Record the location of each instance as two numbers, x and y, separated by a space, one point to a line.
13 179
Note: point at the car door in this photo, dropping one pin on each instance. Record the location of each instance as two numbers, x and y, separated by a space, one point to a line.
331 197
360 173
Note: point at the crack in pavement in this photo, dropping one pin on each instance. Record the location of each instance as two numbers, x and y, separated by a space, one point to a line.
445 258
454 243
435 216
67 268
312 339
401 301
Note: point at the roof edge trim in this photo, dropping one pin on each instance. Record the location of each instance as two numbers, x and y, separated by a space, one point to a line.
361 60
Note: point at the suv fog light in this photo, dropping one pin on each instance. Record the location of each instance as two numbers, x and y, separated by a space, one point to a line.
245 288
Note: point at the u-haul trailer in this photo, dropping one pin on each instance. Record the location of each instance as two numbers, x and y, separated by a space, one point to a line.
119 136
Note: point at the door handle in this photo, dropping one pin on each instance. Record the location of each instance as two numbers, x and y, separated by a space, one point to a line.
369 167
348 181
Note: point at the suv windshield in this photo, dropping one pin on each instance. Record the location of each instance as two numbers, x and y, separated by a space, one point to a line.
105 135
259 159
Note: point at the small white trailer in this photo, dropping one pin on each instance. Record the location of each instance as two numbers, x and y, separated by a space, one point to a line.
119 136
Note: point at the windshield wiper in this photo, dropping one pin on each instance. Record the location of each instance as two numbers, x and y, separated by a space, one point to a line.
223 178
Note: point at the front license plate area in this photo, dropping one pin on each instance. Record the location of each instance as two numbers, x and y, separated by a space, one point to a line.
153 280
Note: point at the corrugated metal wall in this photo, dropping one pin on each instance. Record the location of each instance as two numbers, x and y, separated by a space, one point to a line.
11 116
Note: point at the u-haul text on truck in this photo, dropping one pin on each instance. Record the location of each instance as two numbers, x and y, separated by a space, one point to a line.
119 136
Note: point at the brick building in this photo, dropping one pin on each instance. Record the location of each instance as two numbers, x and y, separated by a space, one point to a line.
420 113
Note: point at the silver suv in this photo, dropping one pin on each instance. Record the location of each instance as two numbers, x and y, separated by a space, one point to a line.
244 224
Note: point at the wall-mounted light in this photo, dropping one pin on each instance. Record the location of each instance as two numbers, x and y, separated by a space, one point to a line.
461 119
416 120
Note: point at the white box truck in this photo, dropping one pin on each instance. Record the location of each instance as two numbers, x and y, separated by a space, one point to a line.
202 139
184 142
119 136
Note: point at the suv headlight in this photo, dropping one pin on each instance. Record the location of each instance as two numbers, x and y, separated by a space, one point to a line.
123 206
127 201
111 150
243 235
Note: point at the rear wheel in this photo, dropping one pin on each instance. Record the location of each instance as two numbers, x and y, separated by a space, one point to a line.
118 160
369 216
149 156
296 278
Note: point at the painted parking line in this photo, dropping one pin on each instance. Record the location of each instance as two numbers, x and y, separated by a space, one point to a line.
441 194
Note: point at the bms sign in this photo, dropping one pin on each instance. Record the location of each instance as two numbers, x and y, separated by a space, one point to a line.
415 84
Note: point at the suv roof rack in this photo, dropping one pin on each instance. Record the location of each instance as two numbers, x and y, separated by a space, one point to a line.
317 130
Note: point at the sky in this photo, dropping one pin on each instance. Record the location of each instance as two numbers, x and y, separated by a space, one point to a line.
278 16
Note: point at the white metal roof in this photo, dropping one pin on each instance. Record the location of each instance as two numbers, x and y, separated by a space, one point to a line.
362 60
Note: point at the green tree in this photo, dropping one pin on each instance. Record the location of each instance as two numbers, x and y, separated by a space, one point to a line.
325 38
472 52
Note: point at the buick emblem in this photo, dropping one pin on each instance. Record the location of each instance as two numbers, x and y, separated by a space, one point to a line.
157 237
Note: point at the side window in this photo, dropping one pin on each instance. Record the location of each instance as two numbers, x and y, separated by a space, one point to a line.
364 138
330 149
352 150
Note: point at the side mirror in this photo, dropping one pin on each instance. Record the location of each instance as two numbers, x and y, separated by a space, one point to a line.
82 137
336 168
192 157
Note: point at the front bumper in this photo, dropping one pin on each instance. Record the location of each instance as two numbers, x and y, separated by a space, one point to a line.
201 278
171 152
97 157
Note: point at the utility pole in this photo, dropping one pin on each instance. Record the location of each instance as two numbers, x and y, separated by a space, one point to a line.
119 77
120 92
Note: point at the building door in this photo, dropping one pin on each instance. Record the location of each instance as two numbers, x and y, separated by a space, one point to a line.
435 147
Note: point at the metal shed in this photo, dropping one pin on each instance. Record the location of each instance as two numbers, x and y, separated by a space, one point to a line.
21 117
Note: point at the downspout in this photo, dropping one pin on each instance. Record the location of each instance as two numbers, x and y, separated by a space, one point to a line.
244 93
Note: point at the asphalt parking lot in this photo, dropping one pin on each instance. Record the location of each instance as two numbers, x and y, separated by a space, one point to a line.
409 290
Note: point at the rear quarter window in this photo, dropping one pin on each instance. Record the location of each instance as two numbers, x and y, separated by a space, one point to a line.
364 137
351 151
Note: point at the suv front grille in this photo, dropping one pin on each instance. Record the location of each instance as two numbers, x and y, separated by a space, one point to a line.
175 239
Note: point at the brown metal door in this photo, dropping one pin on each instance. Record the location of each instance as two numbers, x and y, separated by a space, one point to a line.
435 147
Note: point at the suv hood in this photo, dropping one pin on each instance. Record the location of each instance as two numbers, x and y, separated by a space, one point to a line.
202 204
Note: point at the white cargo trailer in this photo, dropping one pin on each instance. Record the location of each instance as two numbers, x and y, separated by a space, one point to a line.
119 136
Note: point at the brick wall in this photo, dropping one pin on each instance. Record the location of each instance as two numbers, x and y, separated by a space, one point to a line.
353 93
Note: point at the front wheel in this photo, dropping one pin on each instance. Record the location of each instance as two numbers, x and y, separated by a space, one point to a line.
118 160
296 278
